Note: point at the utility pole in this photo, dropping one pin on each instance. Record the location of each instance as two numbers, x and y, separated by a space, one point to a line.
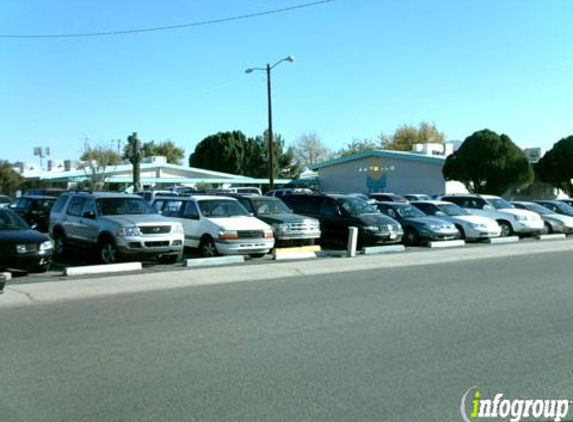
134 156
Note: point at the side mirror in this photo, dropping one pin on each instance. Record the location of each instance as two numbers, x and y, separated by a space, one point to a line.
89 214
440 214
488 208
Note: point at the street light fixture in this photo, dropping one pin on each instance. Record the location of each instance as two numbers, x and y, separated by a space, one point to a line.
268 69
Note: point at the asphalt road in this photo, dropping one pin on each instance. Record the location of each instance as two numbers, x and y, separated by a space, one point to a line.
402 344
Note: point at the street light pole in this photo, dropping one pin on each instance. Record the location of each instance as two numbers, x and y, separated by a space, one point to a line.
271 139
268 69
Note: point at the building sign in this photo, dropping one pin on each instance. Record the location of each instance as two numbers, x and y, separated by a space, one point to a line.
376 175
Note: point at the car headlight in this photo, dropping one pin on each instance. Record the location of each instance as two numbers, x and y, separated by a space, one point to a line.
372 228
478 226
269 234
46 246
127 231
21 249
280 228
178 228
228 234
521 218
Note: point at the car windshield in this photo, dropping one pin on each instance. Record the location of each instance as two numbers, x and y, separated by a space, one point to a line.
269 206
539 209
452 210
357 206
499 203
563 207
408 211
221 208
11 221
123 206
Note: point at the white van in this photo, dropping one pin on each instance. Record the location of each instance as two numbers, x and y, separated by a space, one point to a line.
218 225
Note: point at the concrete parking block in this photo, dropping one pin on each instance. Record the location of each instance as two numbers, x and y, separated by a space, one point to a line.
556 236
210 262
383 249
501 240
7 276
446 244
295 255
102 269
302 252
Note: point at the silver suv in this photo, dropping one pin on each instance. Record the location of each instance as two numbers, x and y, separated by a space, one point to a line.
116 225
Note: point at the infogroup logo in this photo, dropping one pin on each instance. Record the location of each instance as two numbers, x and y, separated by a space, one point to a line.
474 407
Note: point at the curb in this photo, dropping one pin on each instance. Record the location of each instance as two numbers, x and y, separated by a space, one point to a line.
557 236
215 261
502 240
103 269
446 244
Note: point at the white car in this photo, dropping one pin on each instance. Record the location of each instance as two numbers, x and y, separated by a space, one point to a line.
511 220
218 225
471 227
554 223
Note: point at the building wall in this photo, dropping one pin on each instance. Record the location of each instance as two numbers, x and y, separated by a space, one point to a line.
373 174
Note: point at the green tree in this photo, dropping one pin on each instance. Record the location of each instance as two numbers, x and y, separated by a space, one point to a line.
358 145
406 136
233 152
223 151
96 161
10 180
556 166
488 163
168 149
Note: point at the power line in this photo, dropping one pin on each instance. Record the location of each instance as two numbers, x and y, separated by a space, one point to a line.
169 27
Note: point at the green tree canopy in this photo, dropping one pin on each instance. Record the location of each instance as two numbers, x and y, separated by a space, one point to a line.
223 151
233 152
168 149
10 180
406 136
488 163
556 166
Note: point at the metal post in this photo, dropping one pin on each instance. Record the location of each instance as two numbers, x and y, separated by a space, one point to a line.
352 242
271 167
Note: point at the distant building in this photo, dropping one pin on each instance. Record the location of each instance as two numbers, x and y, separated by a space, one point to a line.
387 171
533 154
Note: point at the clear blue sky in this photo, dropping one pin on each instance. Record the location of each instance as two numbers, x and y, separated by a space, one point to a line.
362 67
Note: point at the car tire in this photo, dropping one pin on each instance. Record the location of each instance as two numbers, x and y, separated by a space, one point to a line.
462 232
411 237
506 229
60 244
207 247
547 229
257 255
107 251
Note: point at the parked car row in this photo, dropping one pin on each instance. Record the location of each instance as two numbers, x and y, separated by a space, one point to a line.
115 226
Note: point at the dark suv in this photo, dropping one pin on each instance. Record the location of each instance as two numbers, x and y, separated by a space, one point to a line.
337 212
35 210
288 227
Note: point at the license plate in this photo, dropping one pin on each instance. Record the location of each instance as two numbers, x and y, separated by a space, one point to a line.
392 236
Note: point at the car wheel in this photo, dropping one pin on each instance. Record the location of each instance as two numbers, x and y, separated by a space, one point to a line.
59 244
506 229
462 232
547 229
107 252
257 255
208 248
411 237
